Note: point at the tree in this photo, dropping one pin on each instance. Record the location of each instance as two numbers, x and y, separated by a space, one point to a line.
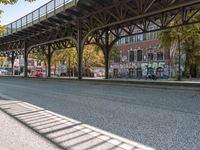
10 2
92 57
115 54
55 60
189 37
169 40
40 56
72 60
2 61
67 57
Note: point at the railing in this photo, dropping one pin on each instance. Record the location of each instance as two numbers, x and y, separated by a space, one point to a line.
47 10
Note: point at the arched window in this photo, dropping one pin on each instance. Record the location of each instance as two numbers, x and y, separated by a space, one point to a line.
150 54
139 55
131 56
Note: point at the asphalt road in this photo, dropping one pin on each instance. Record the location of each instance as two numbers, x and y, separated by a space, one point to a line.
161 118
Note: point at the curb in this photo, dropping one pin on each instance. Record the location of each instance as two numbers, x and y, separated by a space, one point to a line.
186 84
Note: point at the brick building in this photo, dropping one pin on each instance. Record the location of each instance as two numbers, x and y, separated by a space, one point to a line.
139 56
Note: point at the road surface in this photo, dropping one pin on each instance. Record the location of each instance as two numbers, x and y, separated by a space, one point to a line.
158 117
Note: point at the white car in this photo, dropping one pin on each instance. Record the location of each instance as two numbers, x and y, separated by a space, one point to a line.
3 72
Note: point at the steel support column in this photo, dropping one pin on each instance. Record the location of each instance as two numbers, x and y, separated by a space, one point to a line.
25 59
179 59
49 56
80 51
12 62
106 55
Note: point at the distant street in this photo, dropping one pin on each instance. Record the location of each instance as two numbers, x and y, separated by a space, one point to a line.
165 119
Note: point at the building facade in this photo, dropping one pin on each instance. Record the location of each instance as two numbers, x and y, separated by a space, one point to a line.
140 56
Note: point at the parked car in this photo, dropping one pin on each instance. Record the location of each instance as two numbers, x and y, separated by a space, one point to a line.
40 74
3 72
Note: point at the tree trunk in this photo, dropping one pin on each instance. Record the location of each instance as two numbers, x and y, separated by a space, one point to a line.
54 69
73 70
187 64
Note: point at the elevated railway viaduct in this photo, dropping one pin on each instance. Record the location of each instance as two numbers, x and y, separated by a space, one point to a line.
75 23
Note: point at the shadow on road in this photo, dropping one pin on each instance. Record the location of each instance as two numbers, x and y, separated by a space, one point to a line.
64 132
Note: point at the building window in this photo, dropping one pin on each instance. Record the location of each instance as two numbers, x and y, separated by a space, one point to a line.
126 40
150 56
140 37
139 55
159 55
131 39
151 35
123 41
131 56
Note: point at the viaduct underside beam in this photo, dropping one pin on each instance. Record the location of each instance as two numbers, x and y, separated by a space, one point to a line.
102 23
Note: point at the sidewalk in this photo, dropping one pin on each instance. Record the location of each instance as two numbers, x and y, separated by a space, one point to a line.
184 83
170 83
15 136
18 131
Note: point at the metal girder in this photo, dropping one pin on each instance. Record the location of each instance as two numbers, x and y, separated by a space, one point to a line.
87 6
34 29
121 18
73 12
160 21
8 53
48 23
65 17
56 20
57 45
10 46
41 26
121 13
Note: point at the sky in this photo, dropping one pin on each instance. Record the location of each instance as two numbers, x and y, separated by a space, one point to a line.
18 10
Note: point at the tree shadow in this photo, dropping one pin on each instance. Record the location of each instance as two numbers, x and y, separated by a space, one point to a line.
64 132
